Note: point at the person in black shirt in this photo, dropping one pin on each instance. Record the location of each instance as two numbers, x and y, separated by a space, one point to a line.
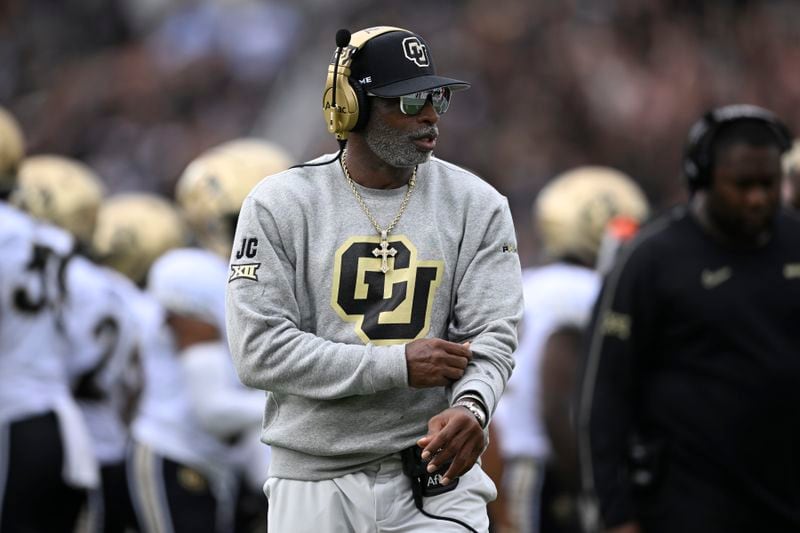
688 405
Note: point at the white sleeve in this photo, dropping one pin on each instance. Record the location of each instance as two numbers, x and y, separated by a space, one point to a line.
223 406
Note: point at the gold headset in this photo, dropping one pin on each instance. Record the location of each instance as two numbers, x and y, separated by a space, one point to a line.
344 103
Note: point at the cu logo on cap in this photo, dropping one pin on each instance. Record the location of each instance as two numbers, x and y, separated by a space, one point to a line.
416 51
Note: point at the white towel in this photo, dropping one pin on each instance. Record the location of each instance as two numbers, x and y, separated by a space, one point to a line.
80 465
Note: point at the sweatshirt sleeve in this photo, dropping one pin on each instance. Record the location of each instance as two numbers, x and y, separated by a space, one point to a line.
488 306
269 349
621 324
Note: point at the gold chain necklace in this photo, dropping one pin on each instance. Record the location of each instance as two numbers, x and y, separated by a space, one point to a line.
384 251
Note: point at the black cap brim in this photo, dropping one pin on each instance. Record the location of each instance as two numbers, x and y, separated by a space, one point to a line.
420 83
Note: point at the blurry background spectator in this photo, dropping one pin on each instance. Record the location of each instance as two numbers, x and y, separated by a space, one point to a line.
137 88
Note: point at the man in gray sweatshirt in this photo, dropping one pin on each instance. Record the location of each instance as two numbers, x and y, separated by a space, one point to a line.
374 294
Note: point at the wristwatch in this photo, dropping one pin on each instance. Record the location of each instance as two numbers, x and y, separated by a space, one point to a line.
474 407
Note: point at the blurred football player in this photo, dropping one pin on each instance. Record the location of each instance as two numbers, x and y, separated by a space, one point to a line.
46 457
132 231
571 215
186 457
210 193
100 328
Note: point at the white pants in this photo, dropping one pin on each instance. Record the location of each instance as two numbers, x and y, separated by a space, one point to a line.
375 500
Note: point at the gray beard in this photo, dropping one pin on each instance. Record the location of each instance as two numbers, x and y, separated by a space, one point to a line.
393 147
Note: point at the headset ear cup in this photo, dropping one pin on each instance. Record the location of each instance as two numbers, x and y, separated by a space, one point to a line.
693 167
691 172
696 161
363 104
699 165
340 118
348 99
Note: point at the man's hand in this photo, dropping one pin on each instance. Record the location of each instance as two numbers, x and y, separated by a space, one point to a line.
435 362
452 434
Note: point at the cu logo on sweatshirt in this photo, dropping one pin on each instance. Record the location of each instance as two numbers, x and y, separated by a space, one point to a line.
386 308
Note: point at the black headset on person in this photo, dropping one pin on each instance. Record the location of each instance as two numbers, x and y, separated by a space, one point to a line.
344 102
698 157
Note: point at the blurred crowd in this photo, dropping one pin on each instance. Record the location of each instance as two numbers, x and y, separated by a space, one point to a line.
136 89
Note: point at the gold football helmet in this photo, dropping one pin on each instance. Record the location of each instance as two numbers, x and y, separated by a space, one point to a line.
12 150
572 211
133 230
62 191
211 190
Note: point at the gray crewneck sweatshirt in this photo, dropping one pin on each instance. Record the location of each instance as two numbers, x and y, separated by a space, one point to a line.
313 321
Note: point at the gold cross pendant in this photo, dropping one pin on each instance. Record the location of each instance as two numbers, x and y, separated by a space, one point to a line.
384 252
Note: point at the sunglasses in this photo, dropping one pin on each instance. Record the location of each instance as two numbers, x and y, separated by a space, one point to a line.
412 104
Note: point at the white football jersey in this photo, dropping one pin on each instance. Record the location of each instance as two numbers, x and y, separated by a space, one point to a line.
226 408
32 349
555 295
195 410
165 420
103 334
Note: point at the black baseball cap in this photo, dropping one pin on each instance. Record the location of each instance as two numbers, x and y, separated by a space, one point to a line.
398 63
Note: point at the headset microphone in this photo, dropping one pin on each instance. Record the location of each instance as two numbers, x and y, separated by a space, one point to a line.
342 38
